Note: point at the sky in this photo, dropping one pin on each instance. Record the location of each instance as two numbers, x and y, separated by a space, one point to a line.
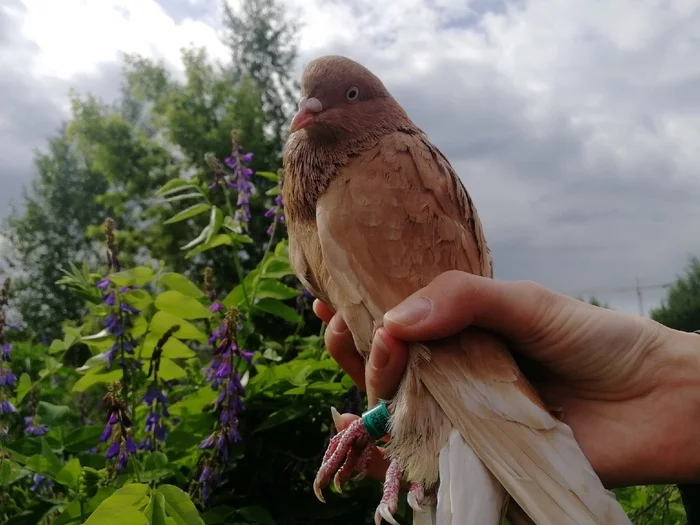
574 125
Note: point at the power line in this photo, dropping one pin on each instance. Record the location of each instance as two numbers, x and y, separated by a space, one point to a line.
638 288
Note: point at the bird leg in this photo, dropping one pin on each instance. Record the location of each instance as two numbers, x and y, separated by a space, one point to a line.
342 457
390 497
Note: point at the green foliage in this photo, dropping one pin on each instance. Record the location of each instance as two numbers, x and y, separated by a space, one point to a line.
681 309
188 281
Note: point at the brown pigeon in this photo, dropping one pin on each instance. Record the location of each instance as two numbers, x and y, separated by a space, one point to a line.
375 212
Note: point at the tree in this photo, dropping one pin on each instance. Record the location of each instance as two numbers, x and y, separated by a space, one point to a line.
109 159
58 208
263 47
681 308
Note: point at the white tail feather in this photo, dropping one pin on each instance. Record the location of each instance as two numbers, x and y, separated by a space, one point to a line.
543 468
468 492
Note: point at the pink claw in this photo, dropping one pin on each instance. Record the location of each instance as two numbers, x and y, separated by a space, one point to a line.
390 498
416 496
340 455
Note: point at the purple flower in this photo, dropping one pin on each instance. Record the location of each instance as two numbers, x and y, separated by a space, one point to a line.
103 284
223 371
7 378
110 299
130 445
276 212
153 394
6 407
123 460
34 429
222 448
125 307
113 449
216 306
113 325
239 182
40 482
106 434
6 349
208 442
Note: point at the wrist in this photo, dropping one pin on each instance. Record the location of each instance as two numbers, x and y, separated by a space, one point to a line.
678 438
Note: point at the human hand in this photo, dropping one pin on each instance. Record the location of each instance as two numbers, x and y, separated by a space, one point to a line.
627 386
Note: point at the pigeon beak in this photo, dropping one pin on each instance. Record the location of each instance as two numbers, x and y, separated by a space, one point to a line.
308 109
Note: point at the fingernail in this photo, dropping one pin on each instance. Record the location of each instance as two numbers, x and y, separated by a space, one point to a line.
338 325
379 357
337 418
411 311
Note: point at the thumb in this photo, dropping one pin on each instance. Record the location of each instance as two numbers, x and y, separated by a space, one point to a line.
455 300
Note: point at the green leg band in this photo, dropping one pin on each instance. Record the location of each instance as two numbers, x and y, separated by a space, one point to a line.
376 420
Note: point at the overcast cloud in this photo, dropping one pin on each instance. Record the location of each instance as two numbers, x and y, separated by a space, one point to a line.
575 125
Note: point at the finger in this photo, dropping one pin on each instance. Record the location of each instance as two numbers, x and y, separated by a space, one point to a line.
323 311
385 366
341 346
378 464
455 300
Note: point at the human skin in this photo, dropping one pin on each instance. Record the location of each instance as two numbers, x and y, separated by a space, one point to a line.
628 387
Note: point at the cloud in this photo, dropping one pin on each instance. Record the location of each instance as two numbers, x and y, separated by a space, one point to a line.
574 125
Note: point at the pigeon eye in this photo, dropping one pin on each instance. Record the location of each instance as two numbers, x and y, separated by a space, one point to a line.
352 94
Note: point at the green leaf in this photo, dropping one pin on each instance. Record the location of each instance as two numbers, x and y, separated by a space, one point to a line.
57 346
69 475
256 514
82 438
216 218
277 267
236 297
169 370
187 213
52 414
139 299
123 507
53 462
132 277
102 334
268 175
179 304
94 362
173 348
193 403
179 506
89 380
272 192
275 290
200 238
174 184
139 326
221 239
219 515
163 321
285 415
282 249
155 512
180 283
23 386
275 307
184 196
9 472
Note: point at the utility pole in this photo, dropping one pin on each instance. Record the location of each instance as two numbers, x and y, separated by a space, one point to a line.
637 288
639 296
